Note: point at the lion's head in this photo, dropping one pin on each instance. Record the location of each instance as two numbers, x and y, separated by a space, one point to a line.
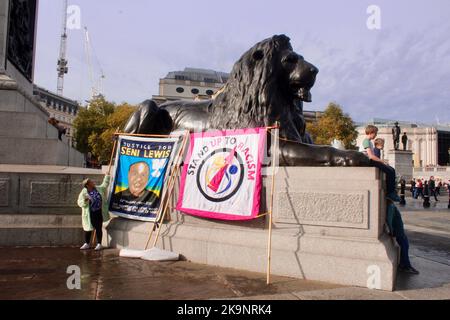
267 84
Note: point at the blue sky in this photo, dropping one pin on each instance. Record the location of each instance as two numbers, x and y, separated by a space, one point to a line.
401 71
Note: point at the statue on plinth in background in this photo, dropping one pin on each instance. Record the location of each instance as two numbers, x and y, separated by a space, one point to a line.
396 135
404 140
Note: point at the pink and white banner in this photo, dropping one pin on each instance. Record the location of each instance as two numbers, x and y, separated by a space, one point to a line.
222 174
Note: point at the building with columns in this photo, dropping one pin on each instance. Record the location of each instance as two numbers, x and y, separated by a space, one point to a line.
430 144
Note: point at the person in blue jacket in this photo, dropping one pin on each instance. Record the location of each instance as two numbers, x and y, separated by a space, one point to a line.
396 229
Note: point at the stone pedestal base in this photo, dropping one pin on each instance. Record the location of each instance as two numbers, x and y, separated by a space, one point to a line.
26 137
38 205
401 161
328 226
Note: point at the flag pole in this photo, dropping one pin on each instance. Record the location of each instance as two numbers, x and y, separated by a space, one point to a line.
274 143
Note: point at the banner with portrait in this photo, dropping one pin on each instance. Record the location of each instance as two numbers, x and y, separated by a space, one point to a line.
142 166
222 174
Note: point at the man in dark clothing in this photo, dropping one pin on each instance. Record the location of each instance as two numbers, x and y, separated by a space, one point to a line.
432 186
396 228
413 187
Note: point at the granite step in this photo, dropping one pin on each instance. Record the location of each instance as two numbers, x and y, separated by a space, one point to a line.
25 125
40 230
29 151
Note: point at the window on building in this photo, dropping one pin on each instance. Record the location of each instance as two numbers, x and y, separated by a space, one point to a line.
180 90
209 92
194 91
178 77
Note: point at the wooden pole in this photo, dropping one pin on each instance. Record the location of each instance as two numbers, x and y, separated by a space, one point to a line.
170 187
150 235
112 156
146 135
269 241
164 210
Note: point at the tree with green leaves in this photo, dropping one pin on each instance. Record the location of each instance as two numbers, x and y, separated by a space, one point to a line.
333 124
95 127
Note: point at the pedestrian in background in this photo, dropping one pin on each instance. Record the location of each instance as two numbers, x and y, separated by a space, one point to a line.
438 187
413 187
419 189
432 186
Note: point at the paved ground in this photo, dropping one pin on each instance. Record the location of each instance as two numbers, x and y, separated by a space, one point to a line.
40 273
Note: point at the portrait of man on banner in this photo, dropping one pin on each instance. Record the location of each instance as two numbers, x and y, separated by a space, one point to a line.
141 169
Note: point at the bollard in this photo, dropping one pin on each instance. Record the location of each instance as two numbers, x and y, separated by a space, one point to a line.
402 192
426 201
426 195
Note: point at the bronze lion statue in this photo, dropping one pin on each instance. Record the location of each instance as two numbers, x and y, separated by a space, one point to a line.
268 84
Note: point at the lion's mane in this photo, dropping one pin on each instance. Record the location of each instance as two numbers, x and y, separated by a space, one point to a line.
256 93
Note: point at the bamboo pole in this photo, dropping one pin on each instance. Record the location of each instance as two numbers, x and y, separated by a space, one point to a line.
269 241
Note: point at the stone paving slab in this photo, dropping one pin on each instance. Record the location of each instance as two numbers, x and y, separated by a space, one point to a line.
40 273
348 293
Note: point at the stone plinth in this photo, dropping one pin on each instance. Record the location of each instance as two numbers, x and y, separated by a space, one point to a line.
327 226
25 135
38 205
402 162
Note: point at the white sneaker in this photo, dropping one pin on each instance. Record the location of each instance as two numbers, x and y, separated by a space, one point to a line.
85 246
98 247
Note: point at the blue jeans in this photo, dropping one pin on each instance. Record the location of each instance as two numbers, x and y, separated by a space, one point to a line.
390 175
403 242
419 192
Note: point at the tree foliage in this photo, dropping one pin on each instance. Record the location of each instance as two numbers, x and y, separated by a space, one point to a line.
94 127
333 124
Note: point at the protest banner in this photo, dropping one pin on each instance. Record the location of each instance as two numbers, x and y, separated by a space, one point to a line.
142 167
222 174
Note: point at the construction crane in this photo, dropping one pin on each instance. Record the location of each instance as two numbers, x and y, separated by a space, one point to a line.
62 68
96 88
